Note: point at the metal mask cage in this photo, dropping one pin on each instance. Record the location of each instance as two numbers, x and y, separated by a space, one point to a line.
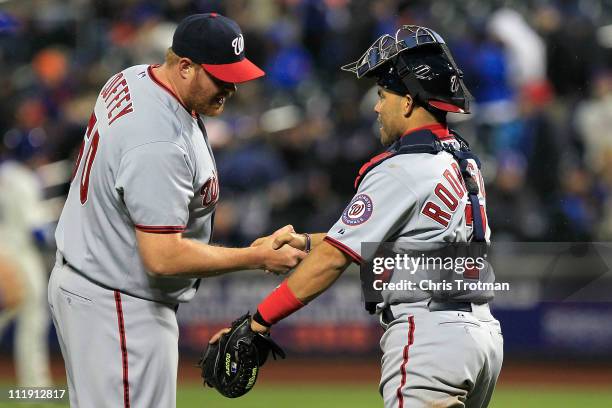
386 47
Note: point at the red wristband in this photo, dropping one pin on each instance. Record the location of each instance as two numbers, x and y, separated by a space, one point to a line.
279 304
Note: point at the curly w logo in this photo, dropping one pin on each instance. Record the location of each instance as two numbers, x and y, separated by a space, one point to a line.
238 44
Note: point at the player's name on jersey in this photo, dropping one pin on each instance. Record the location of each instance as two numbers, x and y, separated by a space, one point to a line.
444 285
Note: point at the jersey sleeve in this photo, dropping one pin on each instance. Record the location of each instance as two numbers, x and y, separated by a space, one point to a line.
380 208
156 183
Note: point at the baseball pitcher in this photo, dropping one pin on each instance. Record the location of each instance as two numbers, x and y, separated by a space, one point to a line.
133 237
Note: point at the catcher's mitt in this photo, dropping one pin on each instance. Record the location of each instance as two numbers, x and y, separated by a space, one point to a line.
231 365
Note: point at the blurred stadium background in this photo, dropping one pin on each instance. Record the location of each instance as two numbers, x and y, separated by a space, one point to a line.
288 148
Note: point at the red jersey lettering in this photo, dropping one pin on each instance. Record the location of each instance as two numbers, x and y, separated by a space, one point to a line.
436 213
111 85
454 182
447 197
117 99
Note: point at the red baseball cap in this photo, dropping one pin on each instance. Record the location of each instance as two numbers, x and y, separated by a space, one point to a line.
215 42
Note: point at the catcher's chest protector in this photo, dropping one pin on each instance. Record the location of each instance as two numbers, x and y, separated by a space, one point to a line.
425 141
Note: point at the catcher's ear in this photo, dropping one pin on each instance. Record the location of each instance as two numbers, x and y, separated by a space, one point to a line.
407 105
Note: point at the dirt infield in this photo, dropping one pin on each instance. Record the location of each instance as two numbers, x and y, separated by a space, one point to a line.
360 371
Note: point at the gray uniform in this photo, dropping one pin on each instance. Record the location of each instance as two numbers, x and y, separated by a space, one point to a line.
145 164
450 358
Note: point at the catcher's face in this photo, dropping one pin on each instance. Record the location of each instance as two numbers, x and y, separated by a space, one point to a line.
390 116
206 94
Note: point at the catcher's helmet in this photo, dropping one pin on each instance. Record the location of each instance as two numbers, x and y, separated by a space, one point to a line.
415 61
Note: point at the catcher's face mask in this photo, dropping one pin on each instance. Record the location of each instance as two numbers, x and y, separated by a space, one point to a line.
415 61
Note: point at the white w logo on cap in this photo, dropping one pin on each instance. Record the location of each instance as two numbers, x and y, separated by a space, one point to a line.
238 44
454 84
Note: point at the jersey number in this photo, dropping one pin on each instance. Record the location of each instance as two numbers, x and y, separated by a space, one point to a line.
92 137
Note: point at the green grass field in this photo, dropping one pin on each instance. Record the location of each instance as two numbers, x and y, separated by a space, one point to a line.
308 396
365 396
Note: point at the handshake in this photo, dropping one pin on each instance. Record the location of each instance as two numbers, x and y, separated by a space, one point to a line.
282 251
231 361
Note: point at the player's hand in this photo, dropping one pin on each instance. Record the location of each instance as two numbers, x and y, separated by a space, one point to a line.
293 239
279 260
258 328
218 335
281 231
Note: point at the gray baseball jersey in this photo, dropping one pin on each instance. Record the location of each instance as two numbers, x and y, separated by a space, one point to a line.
145 164
413 200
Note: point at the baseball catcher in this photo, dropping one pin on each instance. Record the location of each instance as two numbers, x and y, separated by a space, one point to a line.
426 189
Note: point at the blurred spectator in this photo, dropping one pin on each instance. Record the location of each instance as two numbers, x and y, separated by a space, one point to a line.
486 64
539 141
289 64
578 206
528 65
594 121
526 50
512 207
572 50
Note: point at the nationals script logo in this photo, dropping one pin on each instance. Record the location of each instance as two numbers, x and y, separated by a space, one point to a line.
210 191
358 211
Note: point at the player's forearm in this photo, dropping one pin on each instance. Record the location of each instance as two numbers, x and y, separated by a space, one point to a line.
316 239
313 276
187 258
317 272
195 259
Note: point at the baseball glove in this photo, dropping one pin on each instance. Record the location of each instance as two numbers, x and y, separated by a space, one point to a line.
231 365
